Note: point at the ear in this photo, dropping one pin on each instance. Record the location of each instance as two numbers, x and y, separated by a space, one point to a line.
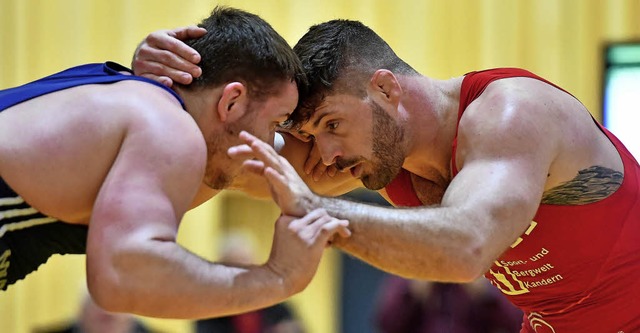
384 82
233 101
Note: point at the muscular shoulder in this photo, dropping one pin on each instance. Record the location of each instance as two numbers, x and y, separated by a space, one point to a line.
506 102
137 96
155 122
162 145
514 107
146 105
512 115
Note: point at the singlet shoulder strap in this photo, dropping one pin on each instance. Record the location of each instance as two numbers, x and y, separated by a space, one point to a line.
474 84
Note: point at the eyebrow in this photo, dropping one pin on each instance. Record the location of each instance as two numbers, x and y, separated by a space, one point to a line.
322 115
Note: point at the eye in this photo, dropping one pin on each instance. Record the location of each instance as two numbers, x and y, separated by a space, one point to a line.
282 122
332 126
274 125
304 136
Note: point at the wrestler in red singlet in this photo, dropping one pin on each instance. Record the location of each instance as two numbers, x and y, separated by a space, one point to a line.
576 268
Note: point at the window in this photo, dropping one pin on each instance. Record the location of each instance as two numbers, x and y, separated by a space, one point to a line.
621 94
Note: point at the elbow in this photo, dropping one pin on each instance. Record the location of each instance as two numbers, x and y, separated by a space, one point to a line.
476 252
470 272
108 296
472 264
108 289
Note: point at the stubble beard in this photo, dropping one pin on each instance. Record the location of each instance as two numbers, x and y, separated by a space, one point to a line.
217 175
388 155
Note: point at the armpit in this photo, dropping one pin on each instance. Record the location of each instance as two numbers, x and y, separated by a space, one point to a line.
590 185
429 192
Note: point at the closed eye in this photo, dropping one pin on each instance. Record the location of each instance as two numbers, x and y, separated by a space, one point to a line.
306 137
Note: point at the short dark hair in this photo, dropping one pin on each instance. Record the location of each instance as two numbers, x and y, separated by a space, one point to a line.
337 56
240 46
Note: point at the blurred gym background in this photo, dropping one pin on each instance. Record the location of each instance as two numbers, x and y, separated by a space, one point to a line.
569 42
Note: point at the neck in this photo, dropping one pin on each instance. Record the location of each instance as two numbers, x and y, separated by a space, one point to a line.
431 107
193 102
201 105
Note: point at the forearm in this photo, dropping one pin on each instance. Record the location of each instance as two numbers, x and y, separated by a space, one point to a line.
163 279
421 243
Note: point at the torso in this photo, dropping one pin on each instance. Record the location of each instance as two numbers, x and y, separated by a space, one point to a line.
57 149
578 259
58 173
586 232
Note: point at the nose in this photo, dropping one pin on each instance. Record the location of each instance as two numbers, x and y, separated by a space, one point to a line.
329 152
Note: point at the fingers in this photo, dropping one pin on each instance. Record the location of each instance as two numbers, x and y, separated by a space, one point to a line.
287 188
163 55
254 143
246 153
143 65
242 152
278 182
173 41
313 160
312 216
164 80
336 227
332 170
315 167
318 171
190 32
254 166
261 150
321 225
167 52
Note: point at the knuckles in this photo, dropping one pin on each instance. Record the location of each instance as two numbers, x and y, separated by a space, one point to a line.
156 36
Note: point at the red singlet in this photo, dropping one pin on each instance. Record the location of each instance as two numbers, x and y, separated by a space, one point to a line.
576 268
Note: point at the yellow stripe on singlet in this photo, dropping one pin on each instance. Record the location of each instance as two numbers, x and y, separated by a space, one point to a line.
20 212
11 201
7 214
25 224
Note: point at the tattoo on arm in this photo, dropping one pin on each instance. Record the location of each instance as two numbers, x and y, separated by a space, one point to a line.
590 185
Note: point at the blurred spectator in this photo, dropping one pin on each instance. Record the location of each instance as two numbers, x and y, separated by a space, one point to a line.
93 319
238 248
275 319
409 306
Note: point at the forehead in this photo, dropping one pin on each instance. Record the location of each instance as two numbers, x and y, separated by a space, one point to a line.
336 105
285 99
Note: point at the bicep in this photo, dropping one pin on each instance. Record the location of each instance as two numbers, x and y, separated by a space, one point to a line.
498 198
150 185
499 187
506 145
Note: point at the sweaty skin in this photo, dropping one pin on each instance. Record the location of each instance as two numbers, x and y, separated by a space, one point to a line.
481 159
128 161
485 207
471 218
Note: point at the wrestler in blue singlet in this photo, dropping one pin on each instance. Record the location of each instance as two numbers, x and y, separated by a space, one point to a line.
27 237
